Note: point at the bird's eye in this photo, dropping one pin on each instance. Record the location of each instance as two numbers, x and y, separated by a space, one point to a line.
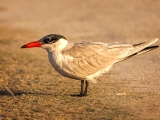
46 40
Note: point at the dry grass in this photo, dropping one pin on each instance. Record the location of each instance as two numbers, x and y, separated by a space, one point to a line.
31 89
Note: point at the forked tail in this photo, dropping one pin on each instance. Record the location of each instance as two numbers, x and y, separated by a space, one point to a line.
141 48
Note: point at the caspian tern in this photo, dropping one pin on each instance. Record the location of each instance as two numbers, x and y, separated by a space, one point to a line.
86 61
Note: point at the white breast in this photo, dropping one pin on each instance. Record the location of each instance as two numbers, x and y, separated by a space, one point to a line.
57 60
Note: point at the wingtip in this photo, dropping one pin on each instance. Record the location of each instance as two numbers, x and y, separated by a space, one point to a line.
156 39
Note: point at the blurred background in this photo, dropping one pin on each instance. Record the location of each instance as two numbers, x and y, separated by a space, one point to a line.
110 20
30 88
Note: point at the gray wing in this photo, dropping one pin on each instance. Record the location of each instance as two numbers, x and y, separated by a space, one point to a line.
89 58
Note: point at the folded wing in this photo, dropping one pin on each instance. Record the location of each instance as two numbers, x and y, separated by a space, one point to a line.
89 58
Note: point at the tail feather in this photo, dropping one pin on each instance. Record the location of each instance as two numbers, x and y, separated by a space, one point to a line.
147 49
141 48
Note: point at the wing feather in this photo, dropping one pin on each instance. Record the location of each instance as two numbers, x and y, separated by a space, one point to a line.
89 58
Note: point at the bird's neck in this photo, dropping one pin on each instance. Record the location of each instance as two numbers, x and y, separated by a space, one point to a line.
60 44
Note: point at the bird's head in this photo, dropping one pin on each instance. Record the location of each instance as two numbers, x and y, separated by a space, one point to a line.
50 42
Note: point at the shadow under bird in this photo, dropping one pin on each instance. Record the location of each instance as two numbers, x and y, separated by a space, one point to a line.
86 61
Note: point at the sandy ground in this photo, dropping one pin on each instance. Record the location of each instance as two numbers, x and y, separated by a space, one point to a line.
131 90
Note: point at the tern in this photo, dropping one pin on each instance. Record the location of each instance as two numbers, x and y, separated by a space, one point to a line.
86 61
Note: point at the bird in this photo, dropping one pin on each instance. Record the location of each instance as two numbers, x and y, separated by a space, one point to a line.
86 61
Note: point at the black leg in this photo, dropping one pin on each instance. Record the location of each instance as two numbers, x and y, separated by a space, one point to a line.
82 87
86 88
